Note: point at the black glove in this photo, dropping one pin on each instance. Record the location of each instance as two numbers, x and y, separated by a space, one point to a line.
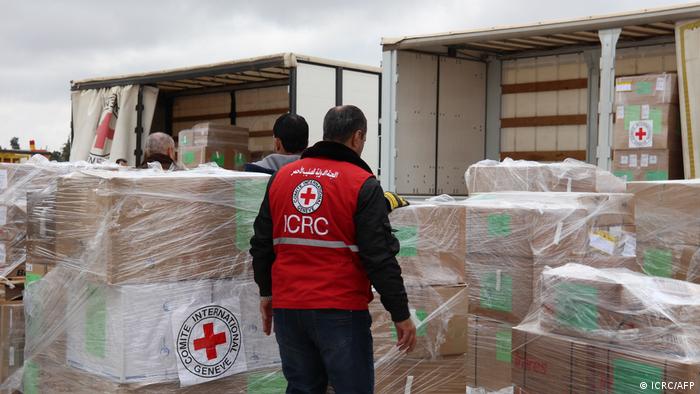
394 201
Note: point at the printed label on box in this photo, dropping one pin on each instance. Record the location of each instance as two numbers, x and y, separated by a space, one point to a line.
652 159
658 262
644 88
499 225
209 342
2 253
623 87
620 112
640 133
660 83
3 216
188 157
624 160
504 341
633 161
577 306
645 112
603 241
644 160
496 291
408 241
11 355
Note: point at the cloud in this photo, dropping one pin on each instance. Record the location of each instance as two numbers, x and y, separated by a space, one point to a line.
46 44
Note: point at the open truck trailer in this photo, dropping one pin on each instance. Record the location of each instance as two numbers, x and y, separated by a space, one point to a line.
541 92
252 93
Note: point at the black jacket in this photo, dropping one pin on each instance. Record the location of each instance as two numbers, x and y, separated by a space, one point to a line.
376 243
165 161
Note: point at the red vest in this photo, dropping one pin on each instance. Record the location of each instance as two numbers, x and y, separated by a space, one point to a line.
317 266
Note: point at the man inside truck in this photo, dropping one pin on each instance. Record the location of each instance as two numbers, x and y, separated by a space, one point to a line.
322 239
291 137
160 148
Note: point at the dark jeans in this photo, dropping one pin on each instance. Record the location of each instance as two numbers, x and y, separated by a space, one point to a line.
319 346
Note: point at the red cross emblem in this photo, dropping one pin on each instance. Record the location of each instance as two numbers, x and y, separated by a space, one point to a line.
641 133
210 341
104 132
308 195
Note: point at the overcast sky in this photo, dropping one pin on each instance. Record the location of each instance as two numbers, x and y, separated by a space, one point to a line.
46 44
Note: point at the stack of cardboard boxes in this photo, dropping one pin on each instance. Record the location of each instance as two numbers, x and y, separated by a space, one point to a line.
432 238
668 226
227 146
646 135
513 236
609 330
133 252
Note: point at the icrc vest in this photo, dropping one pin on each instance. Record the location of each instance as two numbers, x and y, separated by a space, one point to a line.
317 265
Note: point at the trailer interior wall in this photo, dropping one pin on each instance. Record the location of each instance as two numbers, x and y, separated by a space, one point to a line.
544 105
257 110
440 122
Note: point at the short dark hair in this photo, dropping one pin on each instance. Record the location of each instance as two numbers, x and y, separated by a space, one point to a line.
340 122
293 132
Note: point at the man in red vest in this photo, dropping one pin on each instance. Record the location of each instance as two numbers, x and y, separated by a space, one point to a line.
322 239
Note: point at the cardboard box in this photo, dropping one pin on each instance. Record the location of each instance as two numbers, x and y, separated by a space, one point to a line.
546 364
42 375
647 126
647 89
498 228
500 287
674 261
433 243
187 225
406 375
489 359
667 211
560 231
569 176
224 157
440 315
124 333
549 363
647 164
11 338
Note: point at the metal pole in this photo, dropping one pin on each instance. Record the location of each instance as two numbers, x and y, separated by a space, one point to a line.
388 120
608 42
139 127
493 108
293 90
592 58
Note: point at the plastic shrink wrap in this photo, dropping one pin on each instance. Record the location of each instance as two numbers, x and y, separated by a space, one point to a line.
668 226
608 330
141 283
570 175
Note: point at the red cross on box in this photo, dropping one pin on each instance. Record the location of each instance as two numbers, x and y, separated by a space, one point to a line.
641 133
308 195
210 341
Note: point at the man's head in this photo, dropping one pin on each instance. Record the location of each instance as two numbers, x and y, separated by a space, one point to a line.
122 162
291 134
346 124
160 143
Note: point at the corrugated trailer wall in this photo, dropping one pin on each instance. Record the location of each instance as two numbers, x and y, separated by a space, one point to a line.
544 103
543 107
190 110
257 110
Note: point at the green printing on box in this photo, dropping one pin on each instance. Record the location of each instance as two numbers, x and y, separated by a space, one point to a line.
503 345
634 113
30 379
499 225
249 194
240 160
408 239
188 157
658 262
628 377
267 383
218 158
496 294
627 176
577 306
32 277
656 176
644 88
96 322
